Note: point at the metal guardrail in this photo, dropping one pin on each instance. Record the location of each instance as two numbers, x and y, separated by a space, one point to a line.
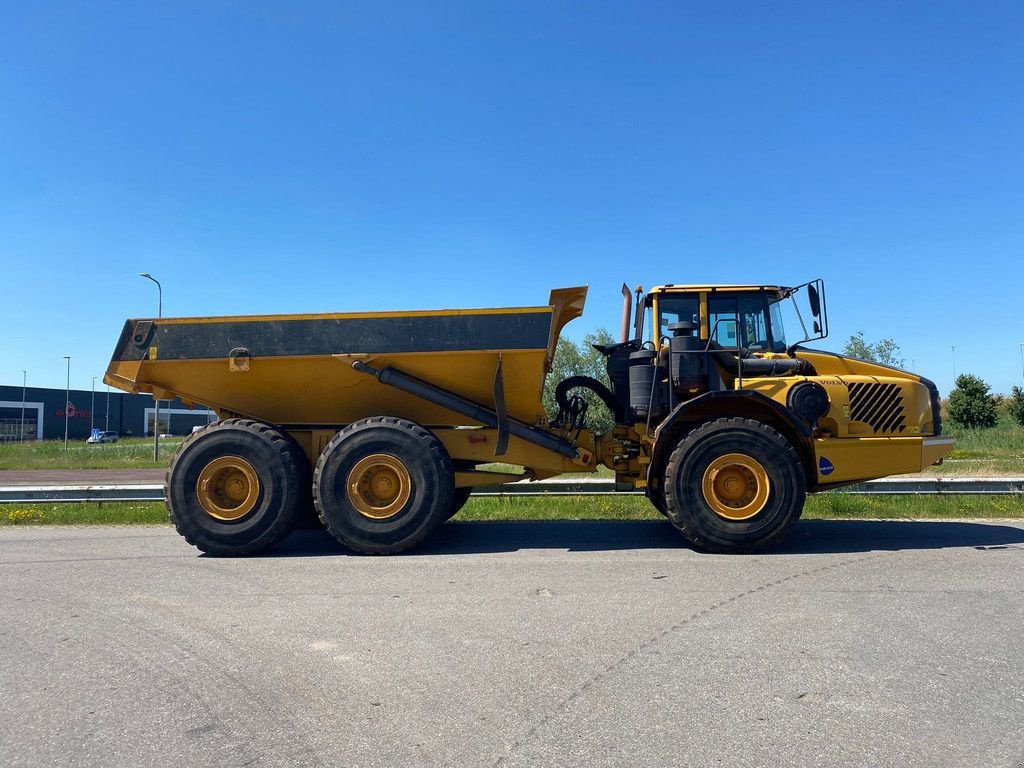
899 486
21 494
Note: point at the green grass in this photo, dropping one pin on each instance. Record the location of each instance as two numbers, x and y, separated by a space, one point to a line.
984 452
128 453
819 507
88 513
831 506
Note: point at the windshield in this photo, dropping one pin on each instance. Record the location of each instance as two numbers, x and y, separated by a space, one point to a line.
778 328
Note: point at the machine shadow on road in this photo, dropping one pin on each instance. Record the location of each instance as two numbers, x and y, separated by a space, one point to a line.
808 537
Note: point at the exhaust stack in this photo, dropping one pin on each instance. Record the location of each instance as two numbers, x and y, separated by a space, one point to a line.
627 311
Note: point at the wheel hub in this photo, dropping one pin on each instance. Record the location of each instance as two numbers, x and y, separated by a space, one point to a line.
379 486
736 486
228 488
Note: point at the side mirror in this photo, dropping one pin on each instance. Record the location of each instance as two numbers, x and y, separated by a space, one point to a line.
815 300
817 327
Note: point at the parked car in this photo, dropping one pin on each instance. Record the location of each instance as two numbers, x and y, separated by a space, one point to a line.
102 437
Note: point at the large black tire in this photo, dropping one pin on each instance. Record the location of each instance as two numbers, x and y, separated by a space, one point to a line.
459 498
734 485
656 495
231 453
382 485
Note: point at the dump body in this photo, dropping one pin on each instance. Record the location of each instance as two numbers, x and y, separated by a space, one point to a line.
296 370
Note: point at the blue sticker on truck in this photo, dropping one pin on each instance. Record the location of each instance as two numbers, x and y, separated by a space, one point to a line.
825 466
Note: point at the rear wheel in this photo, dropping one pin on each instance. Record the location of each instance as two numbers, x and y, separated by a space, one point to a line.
383 484
734 485
237 487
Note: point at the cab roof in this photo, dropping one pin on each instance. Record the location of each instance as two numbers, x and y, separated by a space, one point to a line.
781 290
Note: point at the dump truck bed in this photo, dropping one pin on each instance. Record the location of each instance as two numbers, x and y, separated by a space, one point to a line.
296 370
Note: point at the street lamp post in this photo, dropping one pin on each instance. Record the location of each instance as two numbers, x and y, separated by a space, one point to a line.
92 407
24 380
954 362
156 403
67 402
106 424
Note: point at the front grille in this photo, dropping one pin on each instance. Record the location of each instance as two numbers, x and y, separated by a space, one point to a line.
878 405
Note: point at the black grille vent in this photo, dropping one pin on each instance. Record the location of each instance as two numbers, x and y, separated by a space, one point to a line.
880 405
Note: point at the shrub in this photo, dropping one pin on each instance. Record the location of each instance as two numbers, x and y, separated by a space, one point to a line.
1016 401
971 404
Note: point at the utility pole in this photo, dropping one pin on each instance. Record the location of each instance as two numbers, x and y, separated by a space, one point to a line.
92 407
24 379
106 424
67 403
156 403
954 363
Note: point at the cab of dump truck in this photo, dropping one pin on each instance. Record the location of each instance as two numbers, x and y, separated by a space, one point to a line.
705 352
738 317
744 331
689 340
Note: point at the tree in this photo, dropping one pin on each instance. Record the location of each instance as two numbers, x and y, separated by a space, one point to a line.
573 359
1017 405
886 351
971 404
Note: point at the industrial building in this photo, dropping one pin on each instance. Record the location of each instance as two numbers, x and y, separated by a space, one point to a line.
39 414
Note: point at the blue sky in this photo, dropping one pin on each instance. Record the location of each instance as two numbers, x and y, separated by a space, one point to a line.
304 157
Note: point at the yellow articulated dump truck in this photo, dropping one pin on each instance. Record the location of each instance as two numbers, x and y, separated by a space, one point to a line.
382 421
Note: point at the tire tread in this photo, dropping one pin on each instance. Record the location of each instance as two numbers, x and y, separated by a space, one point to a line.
437 453
290 454
674 508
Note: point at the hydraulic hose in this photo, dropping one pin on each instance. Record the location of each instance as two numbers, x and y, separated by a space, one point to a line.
585 382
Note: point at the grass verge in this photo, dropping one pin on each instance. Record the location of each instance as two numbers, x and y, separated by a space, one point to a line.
88 513
832 506
128 453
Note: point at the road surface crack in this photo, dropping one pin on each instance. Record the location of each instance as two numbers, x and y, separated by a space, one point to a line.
611 668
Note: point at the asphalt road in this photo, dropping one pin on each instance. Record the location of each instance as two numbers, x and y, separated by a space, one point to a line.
37 477
516 644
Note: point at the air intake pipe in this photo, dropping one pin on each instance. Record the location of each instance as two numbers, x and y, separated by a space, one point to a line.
757 366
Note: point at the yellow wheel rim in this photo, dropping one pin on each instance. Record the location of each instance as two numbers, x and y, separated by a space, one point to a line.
736 486
228 488
379 486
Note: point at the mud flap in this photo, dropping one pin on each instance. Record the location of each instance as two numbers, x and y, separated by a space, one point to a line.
501 411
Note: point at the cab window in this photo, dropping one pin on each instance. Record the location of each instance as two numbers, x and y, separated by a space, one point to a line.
672 309
739 320
778 329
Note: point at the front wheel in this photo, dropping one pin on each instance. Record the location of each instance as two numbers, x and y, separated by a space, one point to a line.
734 485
